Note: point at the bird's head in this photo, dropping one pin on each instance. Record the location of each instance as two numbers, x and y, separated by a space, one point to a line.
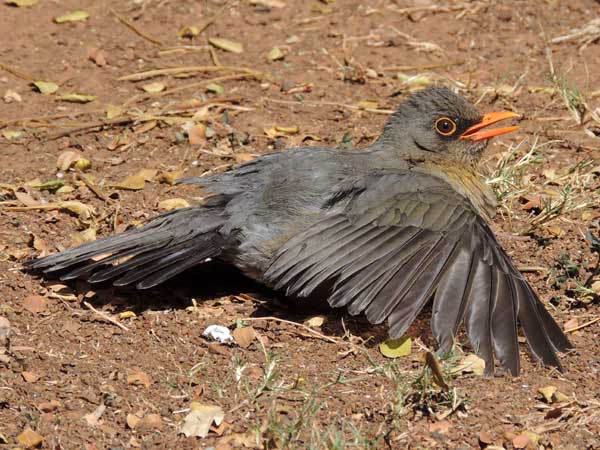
438 121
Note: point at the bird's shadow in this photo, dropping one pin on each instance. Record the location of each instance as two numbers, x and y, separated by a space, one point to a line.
216 280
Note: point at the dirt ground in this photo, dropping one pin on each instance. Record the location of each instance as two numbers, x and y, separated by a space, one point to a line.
101 368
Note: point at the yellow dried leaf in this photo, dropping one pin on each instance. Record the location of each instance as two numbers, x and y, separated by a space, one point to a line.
113 111
470 364
534 438
278 131
197 423
127 315
275 54
82 164
316 321
29 438
21 3
84 236
155 87
46 87
147 174
170 177
131 183
75 16
395 348
268 3
547 392
556 231
368 104
67 159
137 181
226 44
188 32
216 88
414 80
145 127
132 421
139 378
173 203
12 134
73 97
85 212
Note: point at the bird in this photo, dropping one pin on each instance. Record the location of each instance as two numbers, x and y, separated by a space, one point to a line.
381 231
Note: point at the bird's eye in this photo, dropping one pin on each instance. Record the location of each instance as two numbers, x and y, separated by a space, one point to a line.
445 126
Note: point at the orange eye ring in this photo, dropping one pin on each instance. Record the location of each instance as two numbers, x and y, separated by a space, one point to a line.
445 126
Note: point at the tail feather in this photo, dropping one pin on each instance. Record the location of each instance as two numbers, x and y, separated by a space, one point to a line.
149 255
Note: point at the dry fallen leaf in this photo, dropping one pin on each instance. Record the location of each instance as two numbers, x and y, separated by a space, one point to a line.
138 378
12 96
216 88
443 426
137 181
21 3
170 177
75 16
226 44
197 134
244 336
278 131
395 348
67 159
98 57
150 422
73 97
35 304
50 406
113 111
29 438
198 421
316 321
85 212
173 203
93 418
30 377
268 3
5 330
127 315
547 392
81 237
132 421
10 135
188 32
275 54
132 183
26 199
155 87
46 87
470 364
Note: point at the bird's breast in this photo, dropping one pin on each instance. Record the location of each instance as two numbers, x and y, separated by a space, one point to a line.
466 182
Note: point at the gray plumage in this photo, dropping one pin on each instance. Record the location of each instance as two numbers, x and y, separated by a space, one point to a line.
381 231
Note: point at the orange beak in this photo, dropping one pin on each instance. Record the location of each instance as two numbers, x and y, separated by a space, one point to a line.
477 133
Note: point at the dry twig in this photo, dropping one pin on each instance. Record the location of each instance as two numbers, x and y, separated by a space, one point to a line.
296 324
133 28
106 316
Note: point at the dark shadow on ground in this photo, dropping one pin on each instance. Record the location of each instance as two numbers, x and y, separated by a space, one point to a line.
216 280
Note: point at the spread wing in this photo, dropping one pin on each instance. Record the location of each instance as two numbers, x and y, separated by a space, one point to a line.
386 244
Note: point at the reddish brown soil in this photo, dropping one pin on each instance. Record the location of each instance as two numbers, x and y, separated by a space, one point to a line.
69 355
